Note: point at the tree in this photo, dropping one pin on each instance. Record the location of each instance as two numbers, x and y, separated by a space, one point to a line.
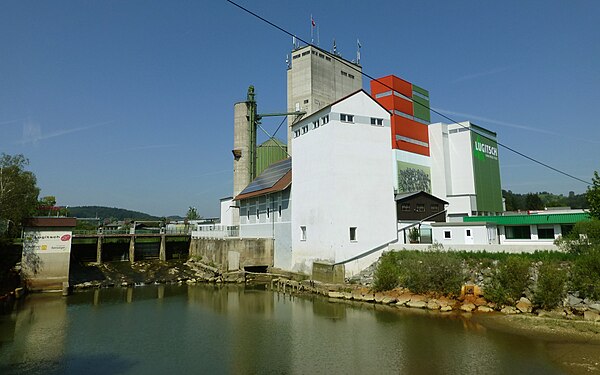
18 191
192 214
533 202
593 196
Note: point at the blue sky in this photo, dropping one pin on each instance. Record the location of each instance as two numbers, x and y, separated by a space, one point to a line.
130 103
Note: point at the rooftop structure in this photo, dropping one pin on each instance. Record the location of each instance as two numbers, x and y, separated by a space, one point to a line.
316 79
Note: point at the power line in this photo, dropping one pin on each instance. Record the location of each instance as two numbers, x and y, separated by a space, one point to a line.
351 66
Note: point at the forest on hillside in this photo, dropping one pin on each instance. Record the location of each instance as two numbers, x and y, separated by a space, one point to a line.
114 213
541 200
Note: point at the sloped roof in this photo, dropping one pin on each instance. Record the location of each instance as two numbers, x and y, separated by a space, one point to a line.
406 196
272 142
276 177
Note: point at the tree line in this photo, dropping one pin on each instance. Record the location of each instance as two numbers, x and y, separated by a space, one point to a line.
542 200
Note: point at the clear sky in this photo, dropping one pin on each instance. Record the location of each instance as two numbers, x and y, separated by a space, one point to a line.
130 103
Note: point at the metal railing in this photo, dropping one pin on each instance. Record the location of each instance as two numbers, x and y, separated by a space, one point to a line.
174 231
216 231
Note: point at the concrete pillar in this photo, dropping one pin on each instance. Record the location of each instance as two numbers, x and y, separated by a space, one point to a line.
132 249
162 254
99 250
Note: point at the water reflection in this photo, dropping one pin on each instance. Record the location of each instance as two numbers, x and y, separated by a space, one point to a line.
232 329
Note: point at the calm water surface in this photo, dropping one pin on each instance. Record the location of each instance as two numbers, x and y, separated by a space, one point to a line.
235 330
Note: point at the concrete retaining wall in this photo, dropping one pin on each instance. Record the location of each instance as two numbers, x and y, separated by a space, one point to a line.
230 254
489 248
328 273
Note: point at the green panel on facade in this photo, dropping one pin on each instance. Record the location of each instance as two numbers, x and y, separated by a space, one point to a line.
421 108
486 169
268 153
420 90
533 219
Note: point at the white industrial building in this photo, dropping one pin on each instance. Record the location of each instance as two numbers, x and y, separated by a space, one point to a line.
465 169
342 184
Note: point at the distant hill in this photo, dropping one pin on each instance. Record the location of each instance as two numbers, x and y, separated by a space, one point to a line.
109 212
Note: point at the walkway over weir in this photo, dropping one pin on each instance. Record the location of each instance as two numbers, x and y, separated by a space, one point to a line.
101 235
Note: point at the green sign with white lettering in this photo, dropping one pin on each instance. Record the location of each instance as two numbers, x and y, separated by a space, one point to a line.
487 170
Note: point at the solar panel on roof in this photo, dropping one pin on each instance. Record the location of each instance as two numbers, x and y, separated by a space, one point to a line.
269 177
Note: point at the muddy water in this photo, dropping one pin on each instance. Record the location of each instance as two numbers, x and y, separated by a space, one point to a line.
236 330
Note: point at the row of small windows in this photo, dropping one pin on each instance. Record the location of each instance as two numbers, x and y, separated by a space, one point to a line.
268 211
352 233
419 207
304 129
344 117
351 76
376 121
294 57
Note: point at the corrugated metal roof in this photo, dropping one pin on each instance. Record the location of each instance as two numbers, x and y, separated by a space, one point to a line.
531 219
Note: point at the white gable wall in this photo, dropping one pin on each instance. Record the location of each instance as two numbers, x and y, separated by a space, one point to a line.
342 179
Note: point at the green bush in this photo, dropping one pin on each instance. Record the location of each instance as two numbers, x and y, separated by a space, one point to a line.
585 274
584 237
509 281
551 286
387 272
434 271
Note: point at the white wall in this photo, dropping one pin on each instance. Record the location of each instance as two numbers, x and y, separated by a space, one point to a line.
273 225
342 179
452 174
227 212
480 235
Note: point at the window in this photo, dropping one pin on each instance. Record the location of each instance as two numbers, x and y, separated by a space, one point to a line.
376 121
257 213
344 74
405 207
420 207
346 118
353 234
304 129
305 101
302 233
248 214
268 211
325 119
468 232
327 58
350 76
521 232
279 210
296 133
315 124
305 53
546 233
565 229
447 234
295 56
435 207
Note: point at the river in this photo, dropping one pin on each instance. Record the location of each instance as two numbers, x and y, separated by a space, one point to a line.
202 329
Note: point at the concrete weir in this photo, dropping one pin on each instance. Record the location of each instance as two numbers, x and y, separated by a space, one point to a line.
230 254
